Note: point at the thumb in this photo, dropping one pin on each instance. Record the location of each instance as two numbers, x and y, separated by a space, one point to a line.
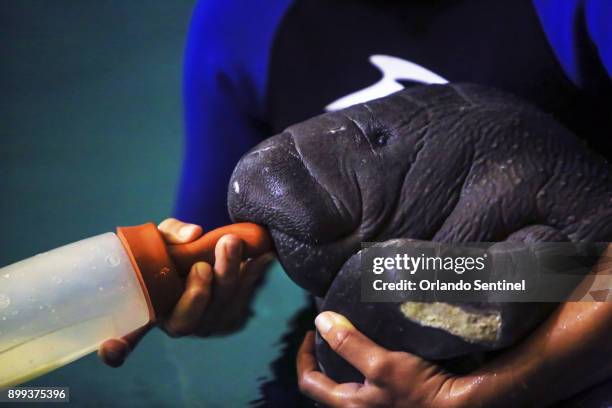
352 345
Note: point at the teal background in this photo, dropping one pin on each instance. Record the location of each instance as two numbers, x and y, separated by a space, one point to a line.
91 138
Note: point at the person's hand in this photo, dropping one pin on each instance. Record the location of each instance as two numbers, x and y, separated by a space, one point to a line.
216 299
569 353
393 379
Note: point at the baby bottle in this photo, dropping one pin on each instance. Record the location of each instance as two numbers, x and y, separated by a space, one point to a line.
60 305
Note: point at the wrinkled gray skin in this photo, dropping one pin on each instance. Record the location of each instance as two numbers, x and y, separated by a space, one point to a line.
449 163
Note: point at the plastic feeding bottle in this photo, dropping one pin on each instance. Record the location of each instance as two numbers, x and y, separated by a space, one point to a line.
60 305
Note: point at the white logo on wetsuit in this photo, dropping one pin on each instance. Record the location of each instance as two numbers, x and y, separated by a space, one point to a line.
393 69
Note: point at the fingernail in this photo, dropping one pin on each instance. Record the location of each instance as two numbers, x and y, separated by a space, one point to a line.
331 319
203 270
324 322
186 231
233 246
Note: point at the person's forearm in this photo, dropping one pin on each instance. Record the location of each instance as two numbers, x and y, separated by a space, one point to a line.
568 353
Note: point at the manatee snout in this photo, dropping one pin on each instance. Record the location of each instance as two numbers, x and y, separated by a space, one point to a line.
272 186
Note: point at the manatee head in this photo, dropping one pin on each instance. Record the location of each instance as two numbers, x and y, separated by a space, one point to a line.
439 162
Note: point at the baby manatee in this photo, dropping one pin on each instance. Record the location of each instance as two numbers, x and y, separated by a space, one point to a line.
444 163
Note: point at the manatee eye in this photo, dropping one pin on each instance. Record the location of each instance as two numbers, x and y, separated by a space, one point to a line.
378 135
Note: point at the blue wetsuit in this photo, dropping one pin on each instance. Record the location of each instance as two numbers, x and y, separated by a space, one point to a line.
252 69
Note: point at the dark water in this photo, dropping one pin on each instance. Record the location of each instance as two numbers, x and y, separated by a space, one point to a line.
280 389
